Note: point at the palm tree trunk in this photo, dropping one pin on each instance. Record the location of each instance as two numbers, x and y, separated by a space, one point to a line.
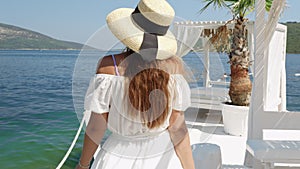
240 85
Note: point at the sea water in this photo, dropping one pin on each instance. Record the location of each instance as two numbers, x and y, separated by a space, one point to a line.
37 107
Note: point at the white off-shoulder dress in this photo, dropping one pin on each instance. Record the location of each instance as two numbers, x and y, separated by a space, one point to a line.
133 145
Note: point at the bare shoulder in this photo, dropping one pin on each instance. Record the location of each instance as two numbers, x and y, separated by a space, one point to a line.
106 64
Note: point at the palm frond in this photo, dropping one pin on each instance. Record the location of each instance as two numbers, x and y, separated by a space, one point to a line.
242 7
205 7
220 3
268 4
215 4
237 7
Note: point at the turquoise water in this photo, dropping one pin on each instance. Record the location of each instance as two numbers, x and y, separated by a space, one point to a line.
37 114
37 118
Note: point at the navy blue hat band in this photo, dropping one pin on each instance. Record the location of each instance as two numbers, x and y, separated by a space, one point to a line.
147 25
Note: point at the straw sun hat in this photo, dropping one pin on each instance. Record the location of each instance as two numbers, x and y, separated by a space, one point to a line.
145 28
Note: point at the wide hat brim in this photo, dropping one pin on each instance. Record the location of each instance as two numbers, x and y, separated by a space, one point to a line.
123 27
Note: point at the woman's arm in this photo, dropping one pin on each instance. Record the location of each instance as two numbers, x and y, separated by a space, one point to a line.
93 135
181 140
98 122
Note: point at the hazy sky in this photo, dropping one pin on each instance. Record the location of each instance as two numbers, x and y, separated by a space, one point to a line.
77 20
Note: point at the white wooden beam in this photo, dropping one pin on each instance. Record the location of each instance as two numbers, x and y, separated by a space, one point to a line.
256 106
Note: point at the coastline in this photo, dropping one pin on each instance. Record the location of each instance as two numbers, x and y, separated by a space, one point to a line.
76 49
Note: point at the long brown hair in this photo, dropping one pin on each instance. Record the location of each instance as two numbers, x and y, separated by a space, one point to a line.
148 88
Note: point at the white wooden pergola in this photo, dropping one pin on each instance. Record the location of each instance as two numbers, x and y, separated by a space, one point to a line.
266 124
268 118
188 33
200 27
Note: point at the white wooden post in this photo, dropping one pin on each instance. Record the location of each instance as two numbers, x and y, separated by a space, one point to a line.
206 75
258 86
257 99
283 78
271 26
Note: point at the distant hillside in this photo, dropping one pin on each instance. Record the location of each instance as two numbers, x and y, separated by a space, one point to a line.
12 37
293 37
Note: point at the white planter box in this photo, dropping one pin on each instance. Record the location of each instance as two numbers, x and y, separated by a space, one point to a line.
235 119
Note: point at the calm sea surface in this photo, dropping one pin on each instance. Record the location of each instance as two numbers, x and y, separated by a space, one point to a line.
37 104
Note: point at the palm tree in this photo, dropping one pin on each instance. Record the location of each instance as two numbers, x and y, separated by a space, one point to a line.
238 52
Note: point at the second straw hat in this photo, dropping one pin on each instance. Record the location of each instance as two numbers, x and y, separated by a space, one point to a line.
145 28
